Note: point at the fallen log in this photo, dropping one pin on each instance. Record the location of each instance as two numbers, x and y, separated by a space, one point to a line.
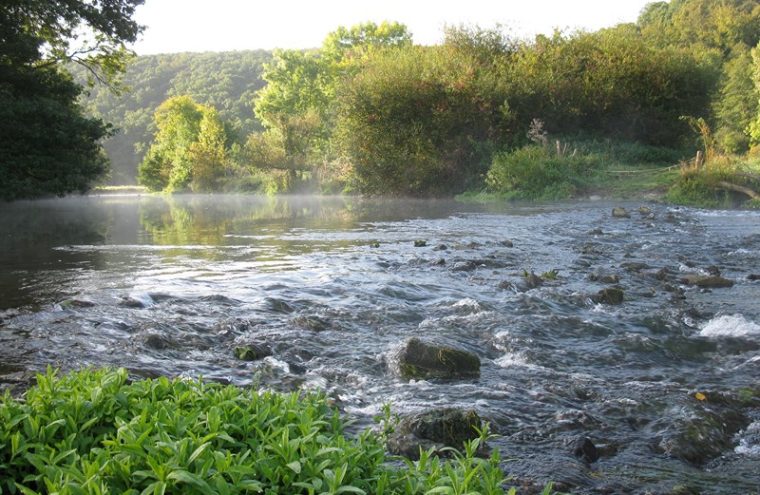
736 187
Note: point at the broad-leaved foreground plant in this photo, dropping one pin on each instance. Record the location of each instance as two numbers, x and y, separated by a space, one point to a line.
97 432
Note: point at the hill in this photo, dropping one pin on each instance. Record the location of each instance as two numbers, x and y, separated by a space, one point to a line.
224 80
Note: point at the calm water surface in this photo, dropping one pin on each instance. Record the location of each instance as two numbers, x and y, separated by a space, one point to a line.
172 285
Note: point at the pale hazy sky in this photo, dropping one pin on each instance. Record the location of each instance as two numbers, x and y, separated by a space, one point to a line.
215 25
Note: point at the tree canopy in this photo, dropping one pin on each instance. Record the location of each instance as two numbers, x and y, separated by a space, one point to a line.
47 145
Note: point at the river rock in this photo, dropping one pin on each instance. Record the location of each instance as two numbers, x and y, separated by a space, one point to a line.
703 435
76 303
313 323
507 243
610 295
707 281
441 247
583 448
604 277
436 429
645 211
252 352
753 276
418 359
420 243
619 212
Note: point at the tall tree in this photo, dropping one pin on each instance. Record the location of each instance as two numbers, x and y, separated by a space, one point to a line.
46 145
189 148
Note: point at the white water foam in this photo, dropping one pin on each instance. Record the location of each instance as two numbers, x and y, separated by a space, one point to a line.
730 326
749 440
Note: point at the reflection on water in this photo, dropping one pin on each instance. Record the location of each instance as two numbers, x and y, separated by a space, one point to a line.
171 285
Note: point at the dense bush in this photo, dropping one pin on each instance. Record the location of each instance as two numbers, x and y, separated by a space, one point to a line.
535 172
95 432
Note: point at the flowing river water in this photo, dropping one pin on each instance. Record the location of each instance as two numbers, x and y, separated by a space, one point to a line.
666 384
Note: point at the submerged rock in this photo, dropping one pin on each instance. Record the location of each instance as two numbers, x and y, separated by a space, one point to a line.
707 281
583 448
619 212
313 323
610 295
436 429
418 359
704 435
76 303
252 352
604 277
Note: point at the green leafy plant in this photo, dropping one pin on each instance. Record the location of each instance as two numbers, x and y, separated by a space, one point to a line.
97 432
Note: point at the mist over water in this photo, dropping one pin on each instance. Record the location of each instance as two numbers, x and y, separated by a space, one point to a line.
171 285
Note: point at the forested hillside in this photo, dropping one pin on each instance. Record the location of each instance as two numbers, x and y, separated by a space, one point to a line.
226 81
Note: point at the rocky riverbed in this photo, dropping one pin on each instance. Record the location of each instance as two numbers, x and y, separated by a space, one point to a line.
613 348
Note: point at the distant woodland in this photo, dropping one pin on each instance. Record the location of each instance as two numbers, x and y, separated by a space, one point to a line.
227 81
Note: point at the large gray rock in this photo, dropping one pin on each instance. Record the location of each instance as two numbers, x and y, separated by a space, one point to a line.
417 359
434 429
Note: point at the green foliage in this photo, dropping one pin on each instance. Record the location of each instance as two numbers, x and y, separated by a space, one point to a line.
419 121
737 103
701 186
226 81
47 146
95 432
534 172
612 83
298 104
188 152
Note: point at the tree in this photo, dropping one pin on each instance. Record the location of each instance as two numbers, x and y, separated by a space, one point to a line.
736 103
46 145
298 105
189 148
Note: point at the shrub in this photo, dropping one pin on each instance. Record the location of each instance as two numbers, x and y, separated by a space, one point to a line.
534 172
94 432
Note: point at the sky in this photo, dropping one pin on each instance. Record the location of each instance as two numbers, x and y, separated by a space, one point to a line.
221 25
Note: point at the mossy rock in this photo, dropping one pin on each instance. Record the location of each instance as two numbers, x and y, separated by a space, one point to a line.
420 243
418 359
707 281
434 429
252 352
620 212
610 295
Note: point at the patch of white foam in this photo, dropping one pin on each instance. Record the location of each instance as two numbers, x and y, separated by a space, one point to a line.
514 360
729 326
749 441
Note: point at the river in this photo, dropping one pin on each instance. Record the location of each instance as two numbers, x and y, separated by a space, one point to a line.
666 384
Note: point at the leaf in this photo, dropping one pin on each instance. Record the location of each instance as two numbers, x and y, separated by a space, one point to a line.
183 476
197 452
351 489
440 489
295 466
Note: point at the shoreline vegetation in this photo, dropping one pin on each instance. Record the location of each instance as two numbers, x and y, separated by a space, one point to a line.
97 431
564 115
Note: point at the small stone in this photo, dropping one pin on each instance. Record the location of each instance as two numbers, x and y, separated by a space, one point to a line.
753 276
507 243
441 247
619 212
645 211
713 270
420 243
374 244
596 231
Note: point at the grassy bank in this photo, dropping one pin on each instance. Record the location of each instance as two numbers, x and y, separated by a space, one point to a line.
97 432
618 170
